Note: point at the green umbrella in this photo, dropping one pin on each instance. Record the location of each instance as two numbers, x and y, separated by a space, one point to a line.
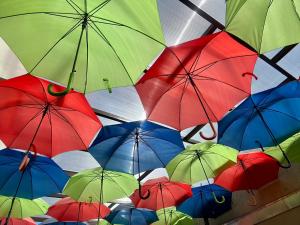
264 24
291 147
173 217
200 162
22 207
107 43
98 185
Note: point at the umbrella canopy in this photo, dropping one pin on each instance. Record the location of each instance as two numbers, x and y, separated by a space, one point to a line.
197 82
266 19
106 43
163 193
203 205
291 148
51 125
14 221
200 162
68 209
252 171
264 119
99 185
132 216
22 208
135 147
173 217
41 177
64 223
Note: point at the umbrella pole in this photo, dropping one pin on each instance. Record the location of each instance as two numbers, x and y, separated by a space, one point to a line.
101 196
273 138
162 200
78 217
253 199
212 192
214 135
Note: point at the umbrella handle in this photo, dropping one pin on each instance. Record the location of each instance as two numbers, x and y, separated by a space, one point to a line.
64 92
250 74
213 136
217 200
252 200
24 163
141 194
283 153
106 83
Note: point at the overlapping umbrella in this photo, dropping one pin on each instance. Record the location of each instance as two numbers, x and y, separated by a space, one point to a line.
170 216
101 44
197 82
13 221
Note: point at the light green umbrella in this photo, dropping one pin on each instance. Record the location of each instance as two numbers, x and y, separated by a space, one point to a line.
172 217
21 208
98 185
200 162
107 43
291 148
264 24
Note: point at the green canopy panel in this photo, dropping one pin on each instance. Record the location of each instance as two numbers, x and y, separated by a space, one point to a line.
173 217
121 38
264 24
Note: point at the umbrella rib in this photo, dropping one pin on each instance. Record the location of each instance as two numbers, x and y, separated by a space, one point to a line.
295 9
98 7
59 14
51 129
186 84
237 11
63 16
74 27
194 64
285 114
98 31
87 58
74 6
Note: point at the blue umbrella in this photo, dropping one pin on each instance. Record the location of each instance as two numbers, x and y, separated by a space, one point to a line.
264 119
132 216
136 147
42 176
203 205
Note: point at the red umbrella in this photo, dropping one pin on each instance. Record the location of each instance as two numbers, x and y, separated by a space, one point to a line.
32 118
68 209
197 82
14 221
163 193
252 171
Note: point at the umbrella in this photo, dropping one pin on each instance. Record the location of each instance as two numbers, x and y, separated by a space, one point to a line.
266 19
252 171
135 147
173 217
14 221
263 120
41 177
290 147
99 185
200 162
51 125
68 209
132 216
101 44
203 205
163 193
22 208
197 82
64 223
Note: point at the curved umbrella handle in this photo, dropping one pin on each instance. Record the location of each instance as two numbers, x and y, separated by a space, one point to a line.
217 200
250 74
213 136
24 163
283 153
141 194
64 92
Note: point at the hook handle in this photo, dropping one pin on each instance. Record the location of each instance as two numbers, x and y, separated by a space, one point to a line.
216 199
25 161
213 136
64 92
141 194
106 83
283 153
250 74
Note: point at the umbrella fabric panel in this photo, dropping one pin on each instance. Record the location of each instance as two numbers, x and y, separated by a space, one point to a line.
202 204
114 148
41 177
173 217
242 127
114 33
59 120
274 24
13 221
216 63
22 208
